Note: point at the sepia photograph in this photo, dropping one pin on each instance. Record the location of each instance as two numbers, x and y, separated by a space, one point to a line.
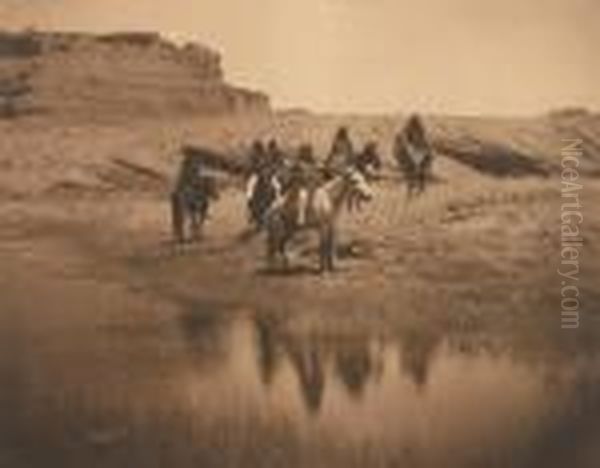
299 234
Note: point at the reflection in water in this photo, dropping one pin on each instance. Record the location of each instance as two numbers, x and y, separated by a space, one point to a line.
418 349
304 356
307 361
355 361
220 391
266 350
354 366
207 342
205 333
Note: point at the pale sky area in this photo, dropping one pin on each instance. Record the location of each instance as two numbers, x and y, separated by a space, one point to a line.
450 56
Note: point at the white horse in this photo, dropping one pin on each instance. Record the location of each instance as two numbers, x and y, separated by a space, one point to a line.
322 211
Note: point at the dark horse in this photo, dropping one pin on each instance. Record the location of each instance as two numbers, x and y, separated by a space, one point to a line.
368 163
368 160
414 155
191 198
262 189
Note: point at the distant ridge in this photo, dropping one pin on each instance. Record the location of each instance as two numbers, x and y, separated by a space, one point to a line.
120 74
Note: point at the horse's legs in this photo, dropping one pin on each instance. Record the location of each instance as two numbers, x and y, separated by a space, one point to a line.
199 215
276 240
421 181
326 249
283 254
177 218
195 224
330 248
409 189
322 252
254 215
358 204
354 204
271 248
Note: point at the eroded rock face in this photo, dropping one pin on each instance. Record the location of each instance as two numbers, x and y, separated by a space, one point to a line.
125 73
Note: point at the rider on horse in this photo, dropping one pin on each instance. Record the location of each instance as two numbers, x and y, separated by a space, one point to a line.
303 181
414 154
263 186
190 200
341 154
189 181
257 157
274 156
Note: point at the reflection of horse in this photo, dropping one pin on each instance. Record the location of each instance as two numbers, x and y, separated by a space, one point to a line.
305 357
355 361
414 155
323 208
354 366
418 349
267 352
307 360
191 198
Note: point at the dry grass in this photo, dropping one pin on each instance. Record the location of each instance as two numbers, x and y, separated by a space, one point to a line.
471 263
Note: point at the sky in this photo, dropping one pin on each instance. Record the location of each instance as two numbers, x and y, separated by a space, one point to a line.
442 56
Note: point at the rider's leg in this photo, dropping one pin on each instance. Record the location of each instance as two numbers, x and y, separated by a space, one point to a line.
302 206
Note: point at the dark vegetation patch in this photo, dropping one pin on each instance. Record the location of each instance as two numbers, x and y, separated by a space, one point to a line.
214 159
491 158
19 45
127 175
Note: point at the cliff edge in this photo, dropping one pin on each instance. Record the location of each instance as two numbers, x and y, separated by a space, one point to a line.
126 74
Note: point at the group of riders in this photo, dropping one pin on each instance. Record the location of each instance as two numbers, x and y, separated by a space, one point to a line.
276 176
298 177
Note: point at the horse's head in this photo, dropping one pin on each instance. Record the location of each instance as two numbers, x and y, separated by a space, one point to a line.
358 185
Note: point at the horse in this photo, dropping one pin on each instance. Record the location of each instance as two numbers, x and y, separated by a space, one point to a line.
414 155
191 198
324 207
263 188
367 162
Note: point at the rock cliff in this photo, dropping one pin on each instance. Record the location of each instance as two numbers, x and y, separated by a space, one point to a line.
126 74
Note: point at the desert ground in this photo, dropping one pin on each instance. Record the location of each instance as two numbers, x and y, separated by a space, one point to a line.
436 343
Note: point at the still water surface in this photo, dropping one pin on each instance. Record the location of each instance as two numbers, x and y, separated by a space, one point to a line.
243 392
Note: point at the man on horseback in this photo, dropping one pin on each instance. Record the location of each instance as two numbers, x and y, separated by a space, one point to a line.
341 154
257 157
414 154
274 155
191 197
302 183
263 186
